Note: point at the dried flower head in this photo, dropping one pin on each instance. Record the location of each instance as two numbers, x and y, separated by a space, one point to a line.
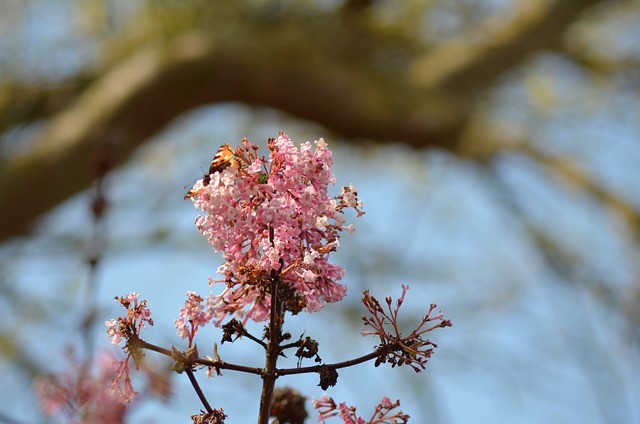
395 347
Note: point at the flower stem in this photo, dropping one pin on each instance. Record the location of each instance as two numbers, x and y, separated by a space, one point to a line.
269 375
198 390
351 362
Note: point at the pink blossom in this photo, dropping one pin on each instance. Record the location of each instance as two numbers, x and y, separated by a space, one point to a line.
137 317
112 331
325 406
275 216
383 414
193 315
82 396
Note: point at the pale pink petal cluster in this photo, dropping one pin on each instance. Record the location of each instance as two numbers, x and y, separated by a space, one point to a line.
84 397
193 315
138 316
275 217
328 408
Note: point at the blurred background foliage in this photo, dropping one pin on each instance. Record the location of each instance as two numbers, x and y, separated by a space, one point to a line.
496 145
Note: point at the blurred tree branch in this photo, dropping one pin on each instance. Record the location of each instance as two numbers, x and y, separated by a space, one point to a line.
472 61
345 74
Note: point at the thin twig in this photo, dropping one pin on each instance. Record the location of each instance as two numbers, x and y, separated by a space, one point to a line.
141 344
196 387
316 368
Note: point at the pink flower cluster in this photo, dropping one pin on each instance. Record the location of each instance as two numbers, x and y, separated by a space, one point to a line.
273 218
193 315
83 397
138 316
128 328
327 408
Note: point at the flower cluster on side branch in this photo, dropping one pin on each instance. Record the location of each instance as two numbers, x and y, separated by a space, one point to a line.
383 414
395 347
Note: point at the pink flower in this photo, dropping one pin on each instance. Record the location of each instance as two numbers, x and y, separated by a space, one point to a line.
137 317
327 408
194 315
112 331
84 397
275 215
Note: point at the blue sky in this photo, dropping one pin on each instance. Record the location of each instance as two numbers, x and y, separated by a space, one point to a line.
515 352
526 346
